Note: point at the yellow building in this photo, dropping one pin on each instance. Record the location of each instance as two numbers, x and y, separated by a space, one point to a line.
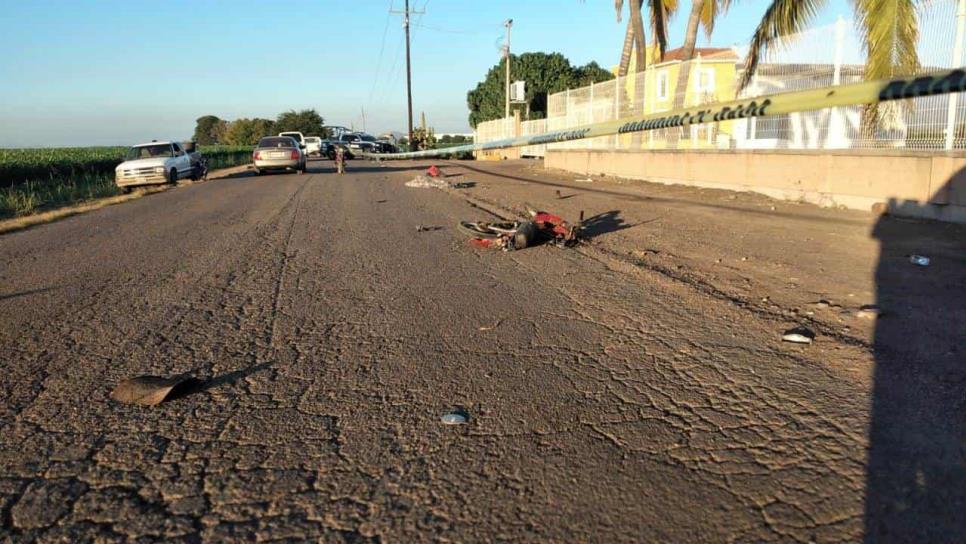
712 78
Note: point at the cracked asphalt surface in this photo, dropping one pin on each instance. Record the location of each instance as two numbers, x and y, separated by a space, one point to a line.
607 402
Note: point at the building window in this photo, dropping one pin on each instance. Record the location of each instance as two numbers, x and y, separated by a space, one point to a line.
662 85
706 80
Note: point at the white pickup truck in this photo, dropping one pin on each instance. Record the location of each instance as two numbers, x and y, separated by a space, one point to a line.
157 162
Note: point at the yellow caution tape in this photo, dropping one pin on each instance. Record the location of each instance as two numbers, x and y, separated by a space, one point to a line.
867 92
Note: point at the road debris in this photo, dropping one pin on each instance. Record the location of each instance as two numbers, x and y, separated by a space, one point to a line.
491 327
149 390
919 260
514 235
798 335
433 171
423 182
456 416
584 180
426 182
425 228
868 311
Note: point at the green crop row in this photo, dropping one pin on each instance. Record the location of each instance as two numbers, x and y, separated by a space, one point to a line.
64 163
33 180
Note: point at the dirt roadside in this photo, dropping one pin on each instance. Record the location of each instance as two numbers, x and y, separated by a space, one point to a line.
790 263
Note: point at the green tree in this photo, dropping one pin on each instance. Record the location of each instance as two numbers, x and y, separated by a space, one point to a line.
445 139
544 73
459 139
308 122
248 131
591 72
208 128
890 30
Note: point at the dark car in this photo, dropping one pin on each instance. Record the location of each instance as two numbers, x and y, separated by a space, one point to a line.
354 144
386 146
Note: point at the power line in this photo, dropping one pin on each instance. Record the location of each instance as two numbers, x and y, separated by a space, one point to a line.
452 31
382 49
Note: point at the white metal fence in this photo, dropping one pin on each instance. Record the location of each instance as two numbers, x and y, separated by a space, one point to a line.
823 56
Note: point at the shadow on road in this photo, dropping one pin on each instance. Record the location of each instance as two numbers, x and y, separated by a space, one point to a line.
916 470
362 166
192 386
603 223
26 293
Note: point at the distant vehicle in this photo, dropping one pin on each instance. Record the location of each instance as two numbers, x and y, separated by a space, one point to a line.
297 136
158 162
354 143
361 142
386 146
278 153
313 146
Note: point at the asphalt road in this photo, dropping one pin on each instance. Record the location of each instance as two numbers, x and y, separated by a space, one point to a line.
605 403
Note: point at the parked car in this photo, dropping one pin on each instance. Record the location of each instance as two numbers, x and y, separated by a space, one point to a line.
158 162
278 153
297 136
386 146
354 143
313 146
361 142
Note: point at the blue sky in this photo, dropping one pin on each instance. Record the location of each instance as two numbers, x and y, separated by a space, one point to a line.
107 72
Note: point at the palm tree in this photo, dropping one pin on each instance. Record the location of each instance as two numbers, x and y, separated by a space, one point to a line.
890 29
634 40
703 14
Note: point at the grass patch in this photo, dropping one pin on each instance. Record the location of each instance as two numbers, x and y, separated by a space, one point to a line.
37 196
59 183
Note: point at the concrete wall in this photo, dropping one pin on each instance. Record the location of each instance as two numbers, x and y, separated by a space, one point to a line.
915 184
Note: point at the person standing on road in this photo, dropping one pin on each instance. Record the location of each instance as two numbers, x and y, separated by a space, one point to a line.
340 160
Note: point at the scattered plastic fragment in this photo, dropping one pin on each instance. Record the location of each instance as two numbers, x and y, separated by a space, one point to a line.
433 171
491 327
584 180
868 311
457 416
919 260
798 335
149 390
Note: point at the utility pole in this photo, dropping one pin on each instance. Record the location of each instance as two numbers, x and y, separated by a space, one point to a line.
409 76
409 73
506 51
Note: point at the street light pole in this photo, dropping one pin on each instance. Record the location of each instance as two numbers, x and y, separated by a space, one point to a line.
508 24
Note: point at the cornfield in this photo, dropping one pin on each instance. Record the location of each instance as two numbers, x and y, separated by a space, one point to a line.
65 163
33 180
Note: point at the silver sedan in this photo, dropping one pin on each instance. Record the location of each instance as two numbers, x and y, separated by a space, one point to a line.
278 153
